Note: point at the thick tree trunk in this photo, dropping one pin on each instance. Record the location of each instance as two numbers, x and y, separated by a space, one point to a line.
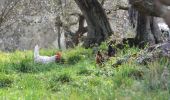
155 30
144 33
156 8
98 25
59 24
147 30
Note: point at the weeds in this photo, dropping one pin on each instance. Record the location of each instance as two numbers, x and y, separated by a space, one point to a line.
153 74
84 71
5 81
78 78
56 81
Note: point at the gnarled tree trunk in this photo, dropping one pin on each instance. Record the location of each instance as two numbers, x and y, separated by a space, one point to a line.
156 8
144 33
156 30
98 25
147 30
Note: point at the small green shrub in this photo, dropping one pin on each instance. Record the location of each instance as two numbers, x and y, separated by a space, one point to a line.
103 46
73 59
56 81
5 81
5 68
54 86
94 82
73 56
153 74
25 66
136 74
64 78
84 71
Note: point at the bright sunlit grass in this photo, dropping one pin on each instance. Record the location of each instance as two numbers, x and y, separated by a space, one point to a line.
78 78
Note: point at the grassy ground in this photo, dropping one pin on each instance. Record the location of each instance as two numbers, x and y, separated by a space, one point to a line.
79 78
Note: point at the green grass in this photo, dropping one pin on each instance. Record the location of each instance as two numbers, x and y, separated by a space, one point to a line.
79 78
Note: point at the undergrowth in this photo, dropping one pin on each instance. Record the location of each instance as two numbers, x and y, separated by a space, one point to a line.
79 77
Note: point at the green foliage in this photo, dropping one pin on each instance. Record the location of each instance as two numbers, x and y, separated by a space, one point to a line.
108 71
103 46
5 81
78 78
64 78
75 55
153 74
56 80
25 66
73 59
84 71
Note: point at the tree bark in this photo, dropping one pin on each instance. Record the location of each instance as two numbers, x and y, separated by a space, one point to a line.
155 30
59 36
156 8
59 24
98 25
144 33
81 30
147 30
